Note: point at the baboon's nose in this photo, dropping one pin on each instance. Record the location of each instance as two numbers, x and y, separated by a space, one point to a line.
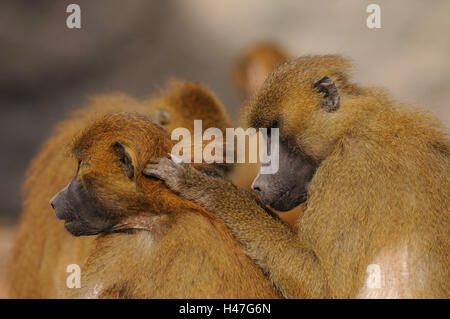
255 186
55 200
259 186
52 202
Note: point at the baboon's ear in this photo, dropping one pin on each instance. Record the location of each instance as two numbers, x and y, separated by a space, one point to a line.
124 158
163 117
330 101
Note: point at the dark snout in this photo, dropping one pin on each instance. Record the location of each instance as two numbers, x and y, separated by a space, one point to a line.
270 191
81 215
262 187
59 204
288 187
279 191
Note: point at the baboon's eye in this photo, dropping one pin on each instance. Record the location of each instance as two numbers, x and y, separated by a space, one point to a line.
127 165
124 159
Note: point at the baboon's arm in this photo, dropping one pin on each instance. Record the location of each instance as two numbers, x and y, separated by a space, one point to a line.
290 264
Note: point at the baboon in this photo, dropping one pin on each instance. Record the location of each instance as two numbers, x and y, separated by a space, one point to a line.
43 248
256 62
167 247
375 176
250 71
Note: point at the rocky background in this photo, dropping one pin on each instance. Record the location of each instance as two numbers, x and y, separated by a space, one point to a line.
46 69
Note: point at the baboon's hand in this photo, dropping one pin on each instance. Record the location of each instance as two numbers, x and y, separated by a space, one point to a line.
210 192
181 178
171 173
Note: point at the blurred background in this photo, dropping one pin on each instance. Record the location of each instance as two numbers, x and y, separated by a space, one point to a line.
47 70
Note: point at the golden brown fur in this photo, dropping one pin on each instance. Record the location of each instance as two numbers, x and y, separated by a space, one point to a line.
380 194
184 251
43 248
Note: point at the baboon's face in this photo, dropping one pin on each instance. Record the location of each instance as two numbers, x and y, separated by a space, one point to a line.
80 213
108 192
288 187
90 204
